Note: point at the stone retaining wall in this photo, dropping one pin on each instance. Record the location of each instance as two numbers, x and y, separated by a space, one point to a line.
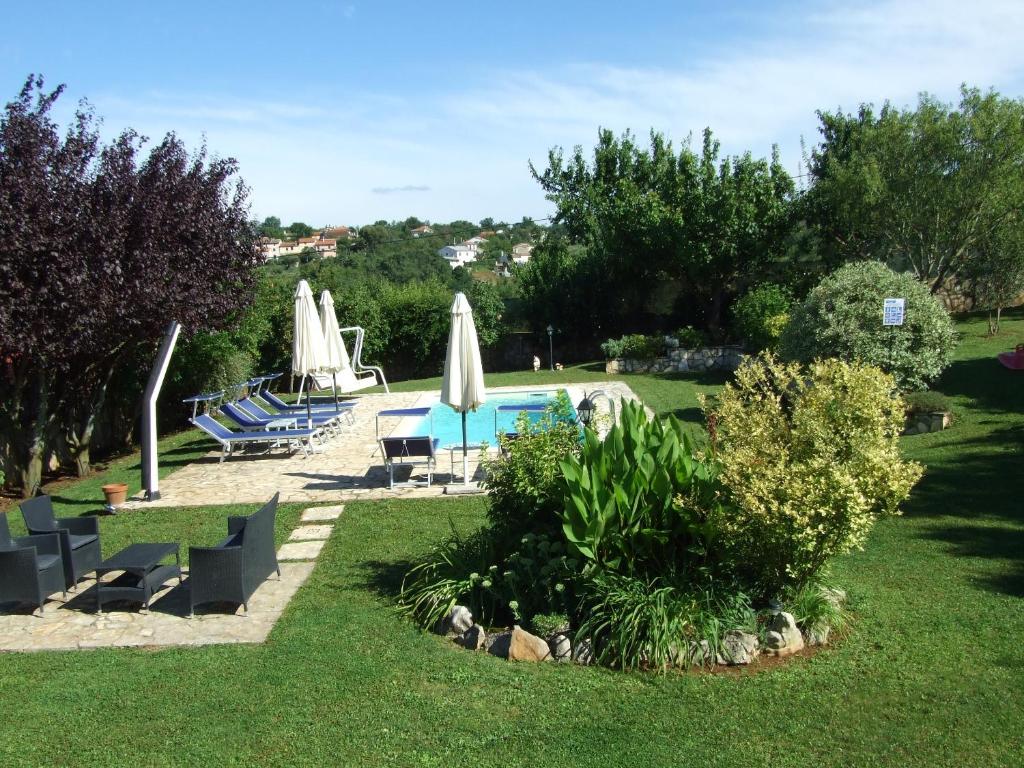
922 423
726 358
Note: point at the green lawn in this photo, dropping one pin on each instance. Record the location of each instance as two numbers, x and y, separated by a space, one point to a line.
931 674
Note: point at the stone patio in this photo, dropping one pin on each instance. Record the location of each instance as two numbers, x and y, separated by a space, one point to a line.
75 624
346 468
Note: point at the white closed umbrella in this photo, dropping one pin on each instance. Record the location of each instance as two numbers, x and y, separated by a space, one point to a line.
309 350
337 355
463 384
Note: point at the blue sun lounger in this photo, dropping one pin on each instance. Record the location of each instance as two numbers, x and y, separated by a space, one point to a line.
251 423
228 439
283 407
320 418
255 409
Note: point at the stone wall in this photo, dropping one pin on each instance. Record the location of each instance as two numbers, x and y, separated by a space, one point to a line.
681 361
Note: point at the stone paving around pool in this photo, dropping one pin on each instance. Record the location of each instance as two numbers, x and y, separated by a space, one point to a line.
347 467
75 624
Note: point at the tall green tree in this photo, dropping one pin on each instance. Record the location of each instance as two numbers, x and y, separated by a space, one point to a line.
651 214
299 229
926 190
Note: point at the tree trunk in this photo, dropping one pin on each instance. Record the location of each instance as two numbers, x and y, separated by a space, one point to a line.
30 472
79 416
713 312
24 416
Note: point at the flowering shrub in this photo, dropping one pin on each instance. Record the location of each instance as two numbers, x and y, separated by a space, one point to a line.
842 317
809 459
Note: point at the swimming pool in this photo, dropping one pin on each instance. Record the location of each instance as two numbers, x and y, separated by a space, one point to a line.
447 423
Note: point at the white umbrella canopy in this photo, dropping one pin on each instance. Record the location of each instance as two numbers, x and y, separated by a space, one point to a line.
309 350
463 384
337 355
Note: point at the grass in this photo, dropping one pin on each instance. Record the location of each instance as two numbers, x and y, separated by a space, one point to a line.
930 674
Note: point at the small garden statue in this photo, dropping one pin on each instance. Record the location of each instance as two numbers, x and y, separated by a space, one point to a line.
536 363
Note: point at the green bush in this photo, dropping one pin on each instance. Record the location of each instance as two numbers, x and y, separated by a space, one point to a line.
518 566
636 502
206 363
634 347
497 585
809 458
760 315
547 624
690 338
842 318
525 484
927 402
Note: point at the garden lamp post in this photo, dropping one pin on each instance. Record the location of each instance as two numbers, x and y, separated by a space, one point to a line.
585 408
551 348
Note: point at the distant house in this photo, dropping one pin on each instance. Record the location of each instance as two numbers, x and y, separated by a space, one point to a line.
289 248
338 233
422 230
327 248
475 243
521 252
501 267
458 255
270 247
308 242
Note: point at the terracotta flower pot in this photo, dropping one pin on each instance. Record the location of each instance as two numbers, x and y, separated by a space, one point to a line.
116 494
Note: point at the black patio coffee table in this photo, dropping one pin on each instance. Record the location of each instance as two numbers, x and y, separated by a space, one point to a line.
143 573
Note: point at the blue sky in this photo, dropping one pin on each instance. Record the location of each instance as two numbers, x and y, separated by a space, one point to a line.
349 112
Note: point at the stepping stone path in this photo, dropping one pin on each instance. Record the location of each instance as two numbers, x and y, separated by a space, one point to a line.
73 623
322 513
311 533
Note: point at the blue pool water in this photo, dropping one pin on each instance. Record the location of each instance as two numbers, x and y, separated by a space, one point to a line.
447 423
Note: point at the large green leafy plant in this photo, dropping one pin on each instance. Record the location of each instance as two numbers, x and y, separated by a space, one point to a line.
636 501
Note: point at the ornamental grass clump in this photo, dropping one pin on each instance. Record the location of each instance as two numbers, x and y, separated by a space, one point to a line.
808 460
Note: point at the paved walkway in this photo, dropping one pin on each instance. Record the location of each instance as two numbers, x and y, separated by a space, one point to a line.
348 467
75 624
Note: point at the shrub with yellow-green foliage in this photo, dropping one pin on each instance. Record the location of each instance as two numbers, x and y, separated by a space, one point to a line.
809 459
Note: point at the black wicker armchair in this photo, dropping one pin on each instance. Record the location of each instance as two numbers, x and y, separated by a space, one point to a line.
79 537
231 571
31 567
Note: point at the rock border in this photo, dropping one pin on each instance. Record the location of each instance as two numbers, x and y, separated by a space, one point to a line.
739 648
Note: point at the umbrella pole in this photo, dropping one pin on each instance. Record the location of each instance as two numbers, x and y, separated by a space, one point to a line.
334 386
309 410
465 452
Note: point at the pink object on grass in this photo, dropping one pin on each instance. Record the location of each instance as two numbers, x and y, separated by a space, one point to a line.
1013 360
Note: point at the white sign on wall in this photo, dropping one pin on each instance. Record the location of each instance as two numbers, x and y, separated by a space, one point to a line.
892 311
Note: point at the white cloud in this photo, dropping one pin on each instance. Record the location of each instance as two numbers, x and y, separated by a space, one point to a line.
470 147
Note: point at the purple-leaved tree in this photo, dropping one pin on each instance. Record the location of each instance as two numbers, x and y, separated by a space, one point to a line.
100 247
